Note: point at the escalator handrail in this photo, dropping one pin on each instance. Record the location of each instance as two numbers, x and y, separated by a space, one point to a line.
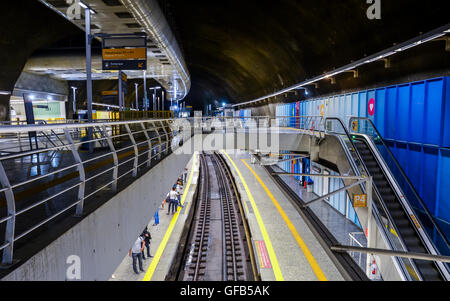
378 219
374 187
423 235
377 193
404 176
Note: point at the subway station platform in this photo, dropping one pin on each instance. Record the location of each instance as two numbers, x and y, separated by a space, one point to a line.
165 236
285 249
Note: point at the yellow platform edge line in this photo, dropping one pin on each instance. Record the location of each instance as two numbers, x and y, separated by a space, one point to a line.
262 227
151 270
311 260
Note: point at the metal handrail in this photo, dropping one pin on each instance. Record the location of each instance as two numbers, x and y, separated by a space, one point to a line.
110 132
404 176
359 158
5 129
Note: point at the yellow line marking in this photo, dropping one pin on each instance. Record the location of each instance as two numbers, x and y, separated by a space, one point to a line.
272 256
312 262
168 234
246 207
186 212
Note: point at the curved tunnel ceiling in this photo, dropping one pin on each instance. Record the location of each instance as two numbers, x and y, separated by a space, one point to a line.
241 50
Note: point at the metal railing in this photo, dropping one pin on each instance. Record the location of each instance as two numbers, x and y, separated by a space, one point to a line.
323 125
433 236
42 182
236 122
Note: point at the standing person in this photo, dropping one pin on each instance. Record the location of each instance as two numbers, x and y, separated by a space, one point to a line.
136 253
173 197
147 238
179 191
185 172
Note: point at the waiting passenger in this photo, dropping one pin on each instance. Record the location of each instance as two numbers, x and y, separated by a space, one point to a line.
173 197
136 254
179 188
185 172
147 238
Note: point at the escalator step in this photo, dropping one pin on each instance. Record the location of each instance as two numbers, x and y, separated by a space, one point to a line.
370 164
374 170
397 214
389 198
385 190
402 223
394 206
379 177
412 243
407 231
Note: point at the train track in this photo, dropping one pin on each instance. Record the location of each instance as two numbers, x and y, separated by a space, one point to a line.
219 240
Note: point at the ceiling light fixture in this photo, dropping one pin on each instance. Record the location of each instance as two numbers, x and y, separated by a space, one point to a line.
439 32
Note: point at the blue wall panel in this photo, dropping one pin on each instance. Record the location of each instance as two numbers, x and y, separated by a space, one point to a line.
417 113
391 110
446 142
363 102
430 158
443 210
414 159
403 119
380 110
355 104
434 109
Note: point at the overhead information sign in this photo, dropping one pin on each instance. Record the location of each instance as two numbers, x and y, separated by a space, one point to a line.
124 52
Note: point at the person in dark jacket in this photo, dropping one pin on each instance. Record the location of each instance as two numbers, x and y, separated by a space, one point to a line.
147 238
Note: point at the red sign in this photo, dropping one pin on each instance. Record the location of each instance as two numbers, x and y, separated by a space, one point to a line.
372 107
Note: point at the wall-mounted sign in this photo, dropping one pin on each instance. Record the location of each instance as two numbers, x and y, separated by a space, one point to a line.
371 107
360 201
124 52
355 126
110 93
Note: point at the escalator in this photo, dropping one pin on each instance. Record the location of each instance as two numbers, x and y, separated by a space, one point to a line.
407 231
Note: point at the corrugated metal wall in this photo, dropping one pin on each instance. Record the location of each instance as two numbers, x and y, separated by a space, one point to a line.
413 118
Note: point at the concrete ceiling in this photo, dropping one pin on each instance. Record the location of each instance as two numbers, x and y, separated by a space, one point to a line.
241 50
112 16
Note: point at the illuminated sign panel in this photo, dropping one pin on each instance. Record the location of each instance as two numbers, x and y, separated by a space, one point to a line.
124 52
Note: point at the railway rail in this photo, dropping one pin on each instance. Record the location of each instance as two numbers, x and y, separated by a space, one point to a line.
219 245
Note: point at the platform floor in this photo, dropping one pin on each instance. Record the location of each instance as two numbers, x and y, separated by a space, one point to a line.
293 251
165 236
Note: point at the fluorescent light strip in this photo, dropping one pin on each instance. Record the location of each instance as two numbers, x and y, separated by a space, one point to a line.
5 93
439 32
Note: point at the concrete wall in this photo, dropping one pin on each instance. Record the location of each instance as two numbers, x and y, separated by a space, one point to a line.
103 238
